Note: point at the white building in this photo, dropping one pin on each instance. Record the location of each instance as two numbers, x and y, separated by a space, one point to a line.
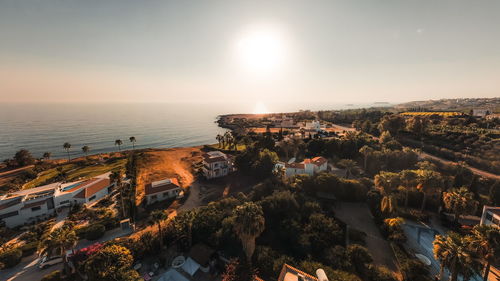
216 164
313 125
162 190
491 216
480 112
306 167
31 205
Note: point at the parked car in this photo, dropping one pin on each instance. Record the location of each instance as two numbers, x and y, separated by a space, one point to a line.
49 261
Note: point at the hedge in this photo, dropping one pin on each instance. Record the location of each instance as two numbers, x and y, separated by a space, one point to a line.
11 257
94 231
29 249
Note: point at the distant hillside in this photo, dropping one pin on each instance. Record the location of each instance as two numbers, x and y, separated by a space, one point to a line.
453 104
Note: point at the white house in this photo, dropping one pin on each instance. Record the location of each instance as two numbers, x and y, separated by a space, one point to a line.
27 206
307 167
34 204
216 164
313 125
162 190
491 216
480 112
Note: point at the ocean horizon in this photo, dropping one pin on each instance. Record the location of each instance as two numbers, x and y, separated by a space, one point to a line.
40 127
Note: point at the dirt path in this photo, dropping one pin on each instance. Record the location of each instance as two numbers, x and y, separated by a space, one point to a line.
357 215
474 170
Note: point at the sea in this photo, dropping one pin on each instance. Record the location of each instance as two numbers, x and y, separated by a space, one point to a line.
40 127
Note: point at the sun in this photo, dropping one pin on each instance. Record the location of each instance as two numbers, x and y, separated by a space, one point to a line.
260 108
261 50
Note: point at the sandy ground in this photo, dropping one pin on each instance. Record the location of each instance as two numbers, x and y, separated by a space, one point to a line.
168 163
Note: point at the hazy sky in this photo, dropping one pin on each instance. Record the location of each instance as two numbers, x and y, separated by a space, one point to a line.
322 51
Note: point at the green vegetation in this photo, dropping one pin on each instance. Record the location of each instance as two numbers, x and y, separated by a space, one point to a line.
111 263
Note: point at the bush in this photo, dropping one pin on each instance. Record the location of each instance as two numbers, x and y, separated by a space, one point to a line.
53 276
94 231
29 249
11 257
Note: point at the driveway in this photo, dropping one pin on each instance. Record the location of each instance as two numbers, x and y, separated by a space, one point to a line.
27 270
358 216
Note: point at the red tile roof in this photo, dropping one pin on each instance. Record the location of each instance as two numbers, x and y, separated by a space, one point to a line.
319 160
150 189
92 187
290 269
81 184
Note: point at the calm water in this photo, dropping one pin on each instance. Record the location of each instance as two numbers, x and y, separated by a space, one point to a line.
46 127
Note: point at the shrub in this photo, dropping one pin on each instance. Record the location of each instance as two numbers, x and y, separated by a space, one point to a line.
29 249
94 231
53 276
11 257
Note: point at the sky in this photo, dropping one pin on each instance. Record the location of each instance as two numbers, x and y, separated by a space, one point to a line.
248 51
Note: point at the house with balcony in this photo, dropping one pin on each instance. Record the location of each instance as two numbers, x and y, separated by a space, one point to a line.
216 164
162 190
491 216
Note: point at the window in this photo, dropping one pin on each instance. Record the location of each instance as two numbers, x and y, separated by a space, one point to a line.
64 202
489 216
8 215
37 208
165 194
92 198
154 197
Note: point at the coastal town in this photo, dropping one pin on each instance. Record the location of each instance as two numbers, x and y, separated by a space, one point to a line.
410 192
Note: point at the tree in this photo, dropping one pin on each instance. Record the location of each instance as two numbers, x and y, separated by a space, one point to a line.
349 165
494 194
119 142
408 177
157 216
133 141
459 201
392 123
264 165
249 223
365 150
359 257
485 240
86 150
388 205
219 139
388 182
116 177
60 240
453 252
24 158
67 147
429 181
47 155
111 263
385 137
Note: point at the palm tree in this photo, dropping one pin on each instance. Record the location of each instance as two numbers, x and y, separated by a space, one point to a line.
157 216
485 240
365 150
459 201
60 240
349 165
119 143
47 155
429 181
219 139
86 150
388 205
408 177
67 147
133 141
249 223
116 177
453 252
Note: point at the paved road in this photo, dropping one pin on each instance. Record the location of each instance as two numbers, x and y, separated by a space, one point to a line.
27 270
358 216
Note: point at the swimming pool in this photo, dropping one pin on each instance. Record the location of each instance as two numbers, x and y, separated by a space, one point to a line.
71 186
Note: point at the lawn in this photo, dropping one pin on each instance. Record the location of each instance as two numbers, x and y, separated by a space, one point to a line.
75 172
239 146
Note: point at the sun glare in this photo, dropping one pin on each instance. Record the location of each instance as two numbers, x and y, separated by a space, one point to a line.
260 108
261 50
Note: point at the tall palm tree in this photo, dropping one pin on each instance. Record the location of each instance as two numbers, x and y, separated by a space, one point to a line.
133 141
157 216
219 139
453 252
365 150
459 201
60 240
408 177
116 177
47 155
429 181
119 142
86 150
249 223
388 205
485 240
67 147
